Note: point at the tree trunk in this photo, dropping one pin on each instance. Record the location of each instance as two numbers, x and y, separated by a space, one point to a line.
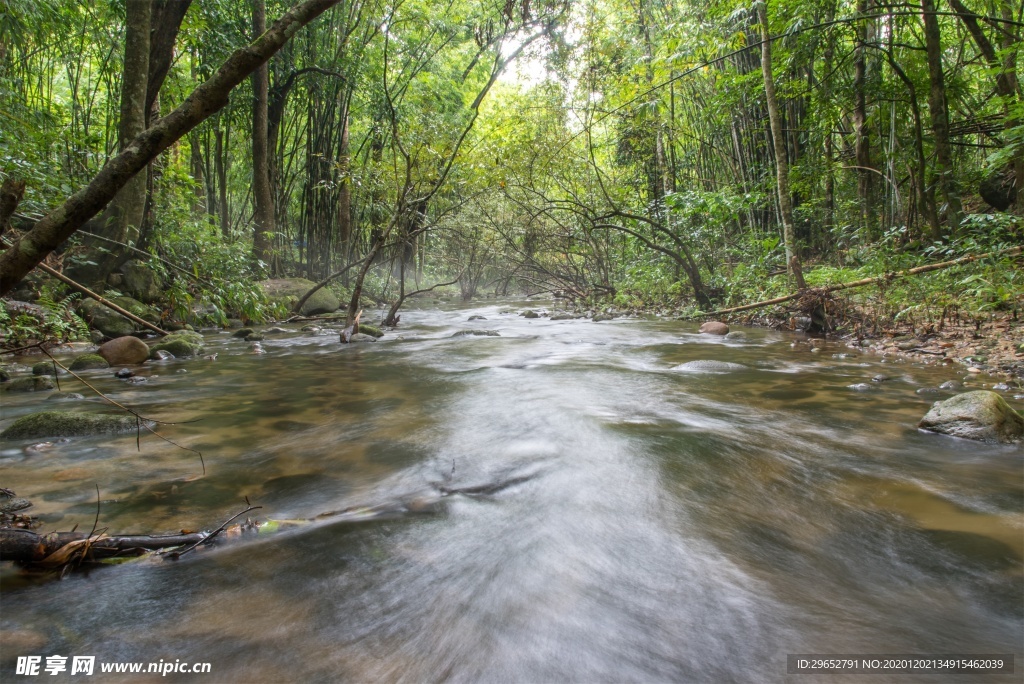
57 226
221 164
862 140
130 203
263 197
345 192
781 165
940 117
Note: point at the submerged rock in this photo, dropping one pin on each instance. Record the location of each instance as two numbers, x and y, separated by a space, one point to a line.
477 333
714 328
709 367
88 362
530 313
371 330
67 424
65 396
243 332
36 383
980 415
124 351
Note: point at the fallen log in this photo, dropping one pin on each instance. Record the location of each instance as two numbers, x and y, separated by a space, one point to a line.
1011 251
27 547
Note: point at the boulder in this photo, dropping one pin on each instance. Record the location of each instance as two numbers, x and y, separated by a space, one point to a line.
38 383
88 362
714 328
124 351
111 323
141 282
288 291
530 313
980 415
242 332
43 368
68 424
180 344
371 330
363 337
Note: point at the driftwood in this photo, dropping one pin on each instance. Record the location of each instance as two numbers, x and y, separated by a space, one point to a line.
1012 251
25 546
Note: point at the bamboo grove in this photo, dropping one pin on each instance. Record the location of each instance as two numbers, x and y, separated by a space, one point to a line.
653 147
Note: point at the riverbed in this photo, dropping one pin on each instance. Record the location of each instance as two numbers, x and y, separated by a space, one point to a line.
558 502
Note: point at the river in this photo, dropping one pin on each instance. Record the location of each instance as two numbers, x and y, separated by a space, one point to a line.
565 504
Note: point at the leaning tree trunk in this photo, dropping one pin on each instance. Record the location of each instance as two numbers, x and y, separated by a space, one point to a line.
781 165
57 226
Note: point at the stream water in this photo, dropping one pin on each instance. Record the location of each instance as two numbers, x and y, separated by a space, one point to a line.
565 504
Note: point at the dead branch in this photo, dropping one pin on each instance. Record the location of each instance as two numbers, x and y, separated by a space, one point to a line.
208 538
819 291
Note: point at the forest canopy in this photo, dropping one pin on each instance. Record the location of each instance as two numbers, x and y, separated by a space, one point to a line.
633 151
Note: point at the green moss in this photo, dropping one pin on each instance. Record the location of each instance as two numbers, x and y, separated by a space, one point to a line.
371 330
182 344
67 424
88 362
43 368
34 384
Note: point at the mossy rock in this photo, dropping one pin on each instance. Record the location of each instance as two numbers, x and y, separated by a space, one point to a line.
980 415
43 368
38 383
181 344
141 282
288 291
88 362
68 424
242 332
371 330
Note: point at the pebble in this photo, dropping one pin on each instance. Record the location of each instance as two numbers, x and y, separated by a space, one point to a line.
950 385
880 378
123 374
973 369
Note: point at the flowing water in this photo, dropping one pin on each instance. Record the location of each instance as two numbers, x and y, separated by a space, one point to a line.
561 502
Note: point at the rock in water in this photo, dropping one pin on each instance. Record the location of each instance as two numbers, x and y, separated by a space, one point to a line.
66 424
124 351
979 415
709 367
180 344
714 328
